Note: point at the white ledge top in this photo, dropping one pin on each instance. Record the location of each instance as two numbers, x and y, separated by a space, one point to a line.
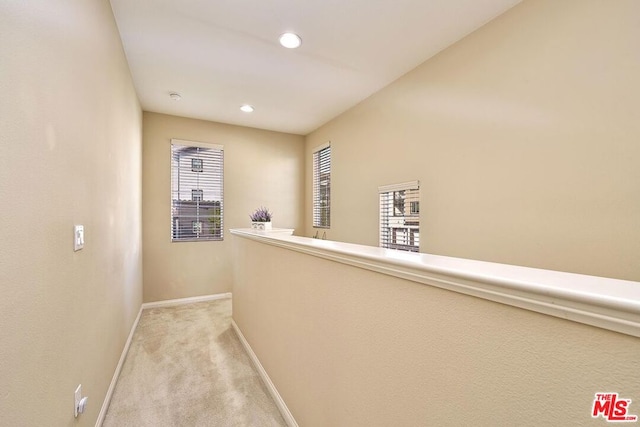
598 301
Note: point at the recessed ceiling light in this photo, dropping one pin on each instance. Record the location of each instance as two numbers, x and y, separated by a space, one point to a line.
247 108
290 40
175 96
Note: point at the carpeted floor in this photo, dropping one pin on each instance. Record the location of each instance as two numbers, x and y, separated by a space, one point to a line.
186 367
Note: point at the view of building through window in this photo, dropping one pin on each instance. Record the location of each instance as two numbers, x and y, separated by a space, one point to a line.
196 191
400 217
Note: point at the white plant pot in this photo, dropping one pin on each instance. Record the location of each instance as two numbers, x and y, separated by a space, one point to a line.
261 225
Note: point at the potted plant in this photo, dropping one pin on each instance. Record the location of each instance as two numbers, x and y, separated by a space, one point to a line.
261 219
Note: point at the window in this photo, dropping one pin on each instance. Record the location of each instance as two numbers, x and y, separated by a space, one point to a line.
400 216
415 208
322 187
197 195
196 191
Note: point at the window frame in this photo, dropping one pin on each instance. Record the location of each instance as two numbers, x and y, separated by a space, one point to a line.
196 219
321 214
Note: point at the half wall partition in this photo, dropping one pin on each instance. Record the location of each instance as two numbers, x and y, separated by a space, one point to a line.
351 335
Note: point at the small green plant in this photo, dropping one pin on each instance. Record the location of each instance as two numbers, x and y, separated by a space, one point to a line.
261 215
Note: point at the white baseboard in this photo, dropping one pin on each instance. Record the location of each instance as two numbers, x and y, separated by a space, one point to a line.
125 350
181 301
116 374
286 414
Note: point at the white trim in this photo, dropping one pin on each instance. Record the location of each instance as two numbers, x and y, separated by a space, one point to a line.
321 147
107 398
181 301
282 406
411 185
187 143
606 303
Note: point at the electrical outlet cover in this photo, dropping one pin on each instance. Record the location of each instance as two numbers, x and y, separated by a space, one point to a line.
77 399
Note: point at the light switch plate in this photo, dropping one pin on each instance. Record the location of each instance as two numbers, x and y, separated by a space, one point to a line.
77 397
78 237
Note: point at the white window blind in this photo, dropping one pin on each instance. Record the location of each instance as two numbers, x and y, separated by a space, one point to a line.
400 216
196 191
322 187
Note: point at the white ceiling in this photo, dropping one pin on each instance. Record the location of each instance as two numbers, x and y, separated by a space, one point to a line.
220 54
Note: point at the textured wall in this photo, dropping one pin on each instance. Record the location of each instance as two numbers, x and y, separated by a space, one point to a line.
70 129
261 168
349 347
524 136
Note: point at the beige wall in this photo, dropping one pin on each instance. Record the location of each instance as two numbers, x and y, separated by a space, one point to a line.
524 136
349 347
70 130
261 168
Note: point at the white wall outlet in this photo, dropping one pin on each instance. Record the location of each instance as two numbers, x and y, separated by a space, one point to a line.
80 403
78 237
77 397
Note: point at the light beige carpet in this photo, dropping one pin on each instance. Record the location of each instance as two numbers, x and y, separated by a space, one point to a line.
186 367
